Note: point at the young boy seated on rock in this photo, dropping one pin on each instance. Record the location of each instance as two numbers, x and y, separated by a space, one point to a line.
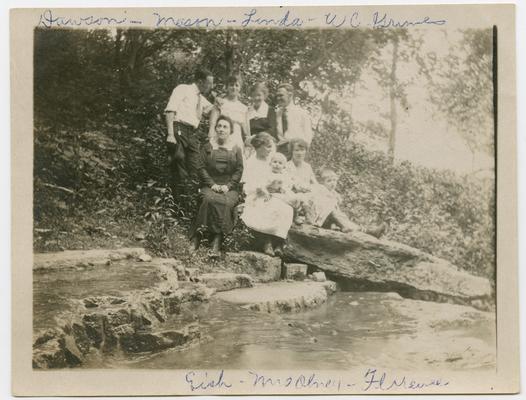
335 218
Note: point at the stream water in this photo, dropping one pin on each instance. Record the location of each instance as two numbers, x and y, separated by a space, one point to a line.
351 329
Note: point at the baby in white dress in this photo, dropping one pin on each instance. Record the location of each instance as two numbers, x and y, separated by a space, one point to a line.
279 182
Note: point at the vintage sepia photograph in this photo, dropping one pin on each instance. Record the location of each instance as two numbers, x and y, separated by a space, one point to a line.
266 198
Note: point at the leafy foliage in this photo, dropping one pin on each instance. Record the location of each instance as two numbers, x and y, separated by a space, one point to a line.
463 87
436 211
100 168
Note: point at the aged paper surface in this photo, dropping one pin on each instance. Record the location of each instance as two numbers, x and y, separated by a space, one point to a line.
500 375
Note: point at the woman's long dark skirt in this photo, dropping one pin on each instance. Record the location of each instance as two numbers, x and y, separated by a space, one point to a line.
217 213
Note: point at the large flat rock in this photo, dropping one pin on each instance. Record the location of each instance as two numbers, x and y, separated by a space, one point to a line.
223 281
385 265
73 258
281 296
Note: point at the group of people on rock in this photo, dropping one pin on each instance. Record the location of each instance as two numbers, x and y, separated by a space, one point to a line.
255 150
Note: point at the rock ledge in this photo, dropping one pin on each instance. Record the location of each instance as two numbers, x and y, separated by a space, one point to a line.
281 296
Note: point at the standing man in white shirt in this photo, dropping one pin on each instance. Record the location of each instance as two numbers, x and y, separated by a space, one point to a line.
183 112
292 121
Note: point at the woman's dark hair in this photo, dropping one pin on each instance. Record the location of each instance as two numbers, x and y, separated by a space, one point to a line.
298 142
261 139
227 119
232 80
201 74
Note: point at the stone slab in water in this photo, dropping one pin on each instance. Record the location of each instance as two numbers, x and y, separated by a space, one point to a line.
318 276
261 267
384 265
72 258
223 281
281 296
295 271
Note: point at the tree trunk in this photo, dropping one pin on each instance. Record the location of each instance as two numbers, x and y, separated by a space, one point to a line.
392 101
135 41
230 55
120 69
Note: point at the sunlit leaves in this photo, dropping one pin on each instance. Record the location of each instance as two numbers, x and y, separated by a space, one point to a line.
462 88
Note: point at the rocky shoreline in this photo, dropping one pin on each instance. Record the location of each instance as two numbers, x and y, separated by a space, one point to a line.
134 321
123 301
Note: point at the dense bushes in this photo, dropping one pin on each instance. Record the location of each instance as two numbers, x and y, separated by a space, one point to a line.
440 212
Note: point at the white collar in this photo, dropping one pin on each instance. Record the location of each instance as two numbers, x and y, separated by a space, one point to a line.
291 163
261 112
289 107
228 145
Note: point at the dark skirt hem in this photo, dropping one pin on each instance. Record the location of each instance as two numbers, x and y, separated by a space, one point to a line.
217 213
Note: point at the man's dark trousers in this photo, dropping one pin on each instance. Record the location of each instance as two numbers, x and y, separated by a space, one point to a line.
183 156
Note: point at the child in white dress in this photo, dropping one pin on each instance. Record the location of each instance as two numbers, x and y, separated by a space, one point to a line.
329 213
300 171
304 183
263 212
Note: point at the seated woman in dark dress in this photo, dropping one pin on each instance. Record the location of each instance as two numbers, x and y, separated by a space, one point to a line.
220 171
261 116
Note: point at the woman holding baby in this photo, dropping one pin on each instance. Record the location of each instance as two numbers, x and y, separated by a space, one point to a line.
277 190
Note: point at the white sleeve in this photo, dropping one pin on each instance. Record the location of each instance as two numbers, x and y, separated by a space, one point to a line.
251 182
177 97
207 106
253 178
